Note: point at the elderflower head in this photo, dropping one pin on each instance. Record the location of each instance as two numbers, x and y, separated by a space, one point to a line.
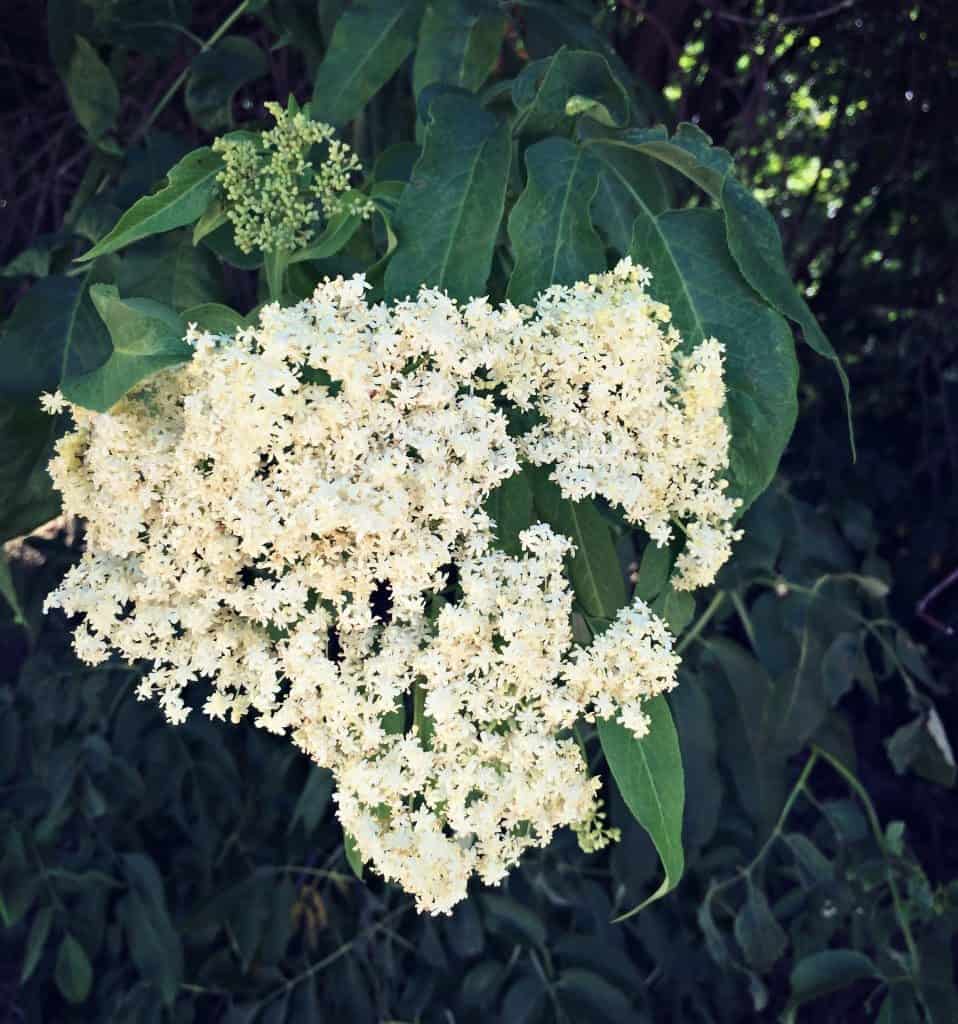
274 194
296 520
625 411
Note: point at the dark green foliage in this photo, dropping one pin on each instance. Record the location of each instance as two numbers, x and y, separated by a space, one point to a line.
152 874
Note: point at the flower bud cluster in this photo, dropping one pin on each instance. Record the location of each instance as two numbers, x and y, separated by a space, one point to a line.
273 194
293 524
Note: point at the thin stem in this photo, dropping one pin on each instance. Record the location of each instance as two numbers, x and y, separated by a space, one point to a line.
181 77
701 622
862 794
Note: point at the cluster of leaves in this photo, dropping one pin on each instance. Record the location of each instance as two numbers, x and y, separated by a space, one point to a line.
155 874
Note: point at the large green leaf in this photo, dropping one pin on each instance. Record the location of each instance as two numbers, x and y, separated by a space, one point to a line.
146 336
547 93
93 94
459 44
756 245
52 332
215 76
630 183
190 187
648 772
550 228
449 213
693 272
371 40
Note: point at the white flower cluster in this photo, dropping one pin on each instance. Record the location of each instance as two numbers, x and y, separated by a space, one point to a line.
598 363
295 520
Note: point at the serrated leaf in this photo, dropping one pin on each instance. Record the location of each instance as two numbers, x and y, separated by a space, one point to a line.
762 938
649 774
370 41
550 227
693 272
459 44
73 973
146 337
93 94
190 187
215 76
449 213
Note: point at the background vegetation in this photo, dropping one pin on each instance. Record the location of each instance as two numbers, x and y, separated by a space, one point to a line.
157 874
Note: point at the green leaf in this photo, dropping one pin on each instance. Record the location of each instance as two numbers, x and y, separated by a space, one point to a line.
548 93
353 857
215 318
371 40
36 940
154 942
73 973
594 570
630 183
215 76
191 184
27 498
93 94
689 151
677 607
648 772
146 337
172 271
756 245
693 272
53 331
819 974
334 238
762 938
449 213
550 228
8 590
510 508
654 570
313 801
459 44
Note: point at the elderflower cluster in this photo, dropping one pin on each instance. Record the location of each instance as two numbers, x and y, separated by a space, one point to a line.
294 521
274 196
624 411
